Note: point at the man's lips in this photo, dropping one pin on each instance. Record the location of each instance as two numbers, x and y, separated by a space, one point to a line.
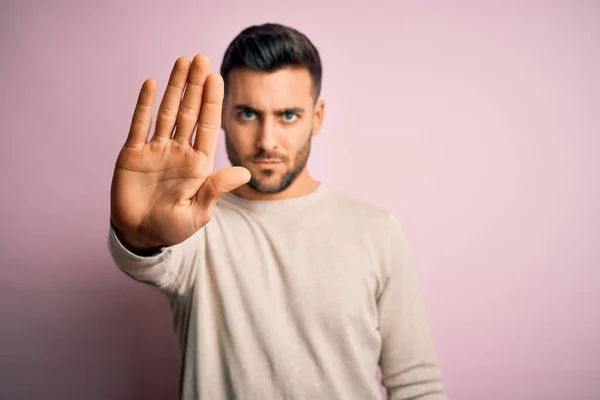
266 162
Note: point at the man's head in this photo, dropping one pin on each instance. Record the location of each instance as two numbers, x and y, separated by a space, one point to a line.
272 77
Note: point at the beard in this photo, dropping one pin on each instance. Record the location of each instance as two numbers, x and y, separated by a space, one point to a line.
259 183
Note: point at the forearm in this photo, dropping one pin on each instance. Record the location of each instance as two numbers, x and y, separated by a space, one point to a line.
157 268
170 269
421 382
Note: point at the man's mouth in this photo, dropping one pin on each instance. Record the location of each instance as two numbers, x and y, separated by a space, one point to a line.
267 161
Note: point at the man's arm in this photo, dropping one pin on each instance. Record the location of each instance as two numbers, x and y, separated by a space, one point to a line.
170 269
408 360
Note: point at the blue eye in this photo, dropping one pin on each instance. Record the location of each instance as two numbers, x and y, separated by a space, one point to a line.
289 116
247 114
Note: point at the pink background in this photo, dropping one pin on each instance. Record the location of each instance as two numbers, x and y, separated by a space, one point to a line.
477 124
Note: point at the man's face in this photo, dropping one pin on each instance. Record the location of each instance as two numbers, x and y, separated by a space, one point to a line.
269 120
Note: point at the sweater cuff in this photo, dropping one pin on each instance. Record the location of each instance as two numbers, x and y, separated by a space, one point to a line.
152 269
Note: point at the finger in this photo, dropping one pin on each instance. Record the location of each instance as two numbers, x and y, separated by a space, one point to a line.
141 121
220 183
189 109
209 124
169 106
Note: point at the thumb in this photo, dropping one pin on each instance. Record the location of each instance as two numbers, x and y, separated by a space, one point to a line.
220 183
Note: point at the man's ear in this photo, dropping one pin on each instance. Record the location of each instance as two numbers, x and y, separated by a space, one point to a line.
318 117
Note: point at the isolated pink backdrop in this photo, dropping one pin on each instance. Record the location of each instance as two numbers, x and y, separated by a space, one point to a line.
477 123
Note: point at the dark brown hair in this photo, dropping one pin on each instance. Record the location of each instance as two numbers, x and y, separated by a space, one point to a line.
270 47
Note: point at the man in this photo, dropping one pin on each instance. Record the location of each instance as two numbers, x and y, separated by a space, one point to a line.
281 287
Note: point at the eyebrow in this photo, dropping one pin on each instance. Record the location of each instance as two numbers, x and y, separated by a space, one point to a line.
245 107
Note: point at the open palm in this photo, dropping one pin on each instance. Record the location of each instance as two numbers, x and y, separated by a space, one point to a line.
164 189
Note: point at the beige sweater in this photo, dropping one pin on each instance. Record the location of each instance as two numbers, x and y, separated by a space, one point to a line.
294 299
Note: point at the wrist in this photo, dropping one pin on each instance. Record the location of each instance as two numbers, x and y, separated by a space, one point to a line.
135 244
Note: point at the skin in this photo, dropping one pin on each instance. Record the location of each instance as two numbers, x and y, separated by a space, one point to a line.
272 116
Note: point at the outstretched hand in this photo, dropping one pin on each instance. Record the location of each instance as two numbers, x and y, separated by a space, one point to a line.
164 189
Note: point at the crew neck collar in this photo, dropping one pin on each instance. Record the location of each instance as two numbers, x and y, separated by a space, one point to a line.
291 204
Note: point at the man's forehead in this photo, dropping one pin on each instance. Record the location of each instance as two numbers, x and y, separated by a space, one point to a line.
286 87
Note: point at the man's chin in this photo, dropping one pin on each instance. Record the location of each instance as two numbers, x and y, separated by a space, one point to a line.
271 181
260 186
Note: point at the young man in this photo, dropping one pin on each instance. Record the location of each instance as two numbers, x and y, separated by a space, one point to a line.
281 287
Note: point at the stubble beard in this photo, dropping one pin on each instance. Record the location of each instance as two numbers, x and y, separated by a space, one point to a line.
256 182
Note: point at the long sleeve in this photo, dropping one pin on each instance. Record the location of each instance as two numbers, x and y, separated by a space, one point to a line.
171 271
408 360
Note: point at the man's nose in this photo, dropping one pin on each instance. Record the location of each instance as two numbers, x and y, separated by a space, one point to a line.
267 138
